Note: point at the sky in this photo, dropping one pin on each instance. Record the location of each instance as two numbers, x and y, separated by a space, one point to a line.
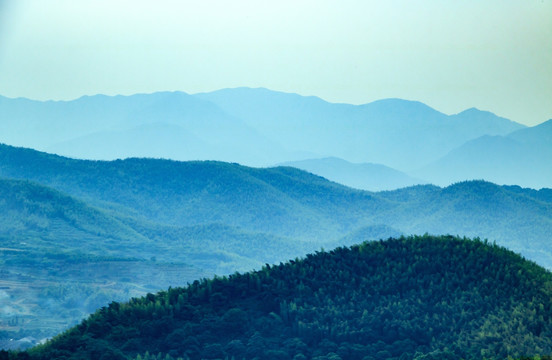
495 55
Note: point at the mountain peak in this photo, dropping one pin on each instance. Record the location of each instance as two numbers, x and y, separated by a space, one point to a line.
474 113
256 94
397 104
473 110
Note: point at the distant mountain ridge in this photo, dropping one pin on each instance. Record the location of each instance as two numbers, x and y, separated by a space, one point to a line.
103 122
522 157
255 127
260 127
398 133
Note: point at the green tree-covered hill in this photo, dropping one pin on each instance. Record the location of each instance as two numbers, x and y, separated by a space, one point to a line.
33 210
284 201
408 298
289 203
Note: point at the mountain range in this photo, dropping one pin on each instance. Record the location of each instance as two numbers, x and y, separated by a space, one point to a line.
79 232
260 127
398 133
521 157
283 201
151 194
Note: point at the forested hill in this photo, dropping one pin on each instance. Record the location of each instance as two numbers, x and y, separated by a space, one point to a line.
287 202
407 298
42 216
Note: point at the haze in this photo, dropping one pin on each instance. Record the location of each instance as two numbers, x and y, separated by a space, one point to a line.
493 55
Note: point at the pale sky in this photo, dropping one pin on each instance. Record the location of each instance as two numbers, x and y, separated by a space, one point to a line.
452 55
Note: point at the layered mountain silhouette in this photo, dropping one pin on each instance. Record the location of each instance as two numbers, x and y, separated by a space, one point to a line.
167 124
260 127
398 133
78 232
522 157
284 201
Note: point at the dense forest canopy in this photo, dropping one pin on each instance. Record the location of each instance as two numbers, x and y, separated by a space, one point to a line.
419 297
287 202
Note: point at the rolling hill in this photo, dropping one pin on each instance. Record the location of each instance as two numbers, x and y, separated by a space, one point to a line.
61 258
415 298
287 202
32 210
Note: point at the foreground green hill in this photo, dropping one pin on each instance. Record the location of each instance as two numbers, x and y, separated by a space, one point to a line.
417 297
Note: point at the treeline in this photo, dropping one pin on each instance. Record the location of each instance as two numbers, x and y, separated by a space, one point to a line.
407 298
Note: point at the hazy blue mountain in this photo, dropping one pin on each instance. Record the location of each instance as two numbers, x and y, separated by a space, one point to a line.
398 133
523 158
286 202
94 127
155 140
539 136
250 126
365 176
475 122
